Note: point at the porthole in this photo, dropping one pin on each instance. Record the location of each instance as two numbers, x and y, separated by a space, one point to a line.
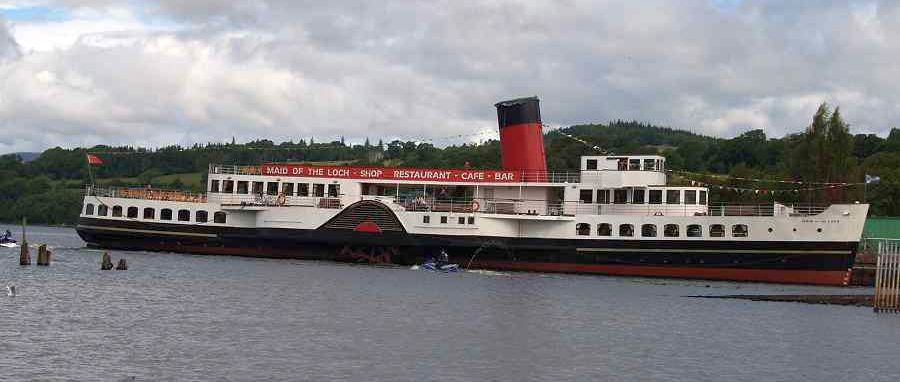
819 230
771 230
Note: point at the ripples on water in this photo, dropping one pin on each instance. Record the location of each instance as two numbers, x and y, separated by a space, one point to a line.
186 318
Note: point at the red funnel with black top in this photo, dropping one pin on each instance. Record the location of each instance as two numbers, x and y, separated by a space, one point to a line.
521 139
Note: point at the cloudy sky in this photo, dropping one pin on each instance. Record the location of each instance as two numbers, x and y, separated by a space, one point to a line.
83 72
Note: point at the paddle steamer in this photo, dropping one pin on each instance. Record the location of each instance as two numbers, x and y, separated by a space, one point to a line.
614 216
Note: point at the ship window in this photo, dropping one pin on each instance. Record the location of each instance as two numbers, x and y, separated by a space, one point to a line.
287 188
334 190
604 229
318 190
634 164
272 188
655 196
149 213
201 216
471 220
586 196
443 220
649 164
165 214
659 165
184 215
703 198
243 187
461 220
690 197
673 196
602 196
626 230
648 230
117 211
582 229
214 185
219 217
739 230
426 219
257 188
717 230
694 230
132 212
89 209
228 186
591 164
620 196
102 210
637 196
670 230
302 189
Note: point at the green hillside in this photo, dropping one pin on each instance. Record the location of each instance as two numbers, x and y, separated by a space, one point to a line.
47 189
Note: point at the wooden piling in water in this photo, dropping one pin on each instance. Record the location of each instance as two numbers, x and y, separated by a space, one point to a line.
43 257
24 256
106 262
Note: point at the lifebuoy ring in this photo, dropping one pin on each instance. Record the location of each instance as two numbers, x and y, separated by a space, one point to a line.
281 199
475 205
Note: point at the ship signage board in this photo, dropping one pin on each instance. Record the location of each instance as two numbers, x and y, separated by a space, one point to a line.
386 173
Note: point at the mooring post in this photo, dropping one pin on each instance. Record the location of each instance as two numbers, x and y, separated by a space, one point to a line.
24 256
106 263
123 265
43 255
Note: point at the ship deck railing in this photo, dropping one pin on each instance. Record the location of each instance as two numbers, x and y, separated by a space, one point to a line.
466 204
713 209
145 194
544 208
266 200
522 176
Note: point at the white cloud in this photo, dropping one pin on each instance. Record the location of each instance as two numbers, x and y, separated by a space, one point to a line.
180 72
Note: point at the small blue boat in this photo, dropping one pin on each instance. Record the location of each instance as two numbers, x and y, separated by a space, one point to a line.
7 241
442 264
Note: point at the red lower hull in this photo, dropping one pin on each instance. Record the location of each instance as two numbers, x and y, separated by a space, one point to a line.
784 276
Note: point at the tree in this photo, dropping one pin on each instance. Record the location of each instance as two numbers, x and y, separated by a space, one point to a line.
839 146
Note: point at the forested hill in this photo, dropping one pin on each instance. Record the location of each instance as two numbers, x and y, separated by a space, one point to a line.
47 189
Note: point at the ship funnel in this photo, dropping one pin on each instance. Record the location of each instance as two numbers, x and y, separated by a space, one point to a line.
521 139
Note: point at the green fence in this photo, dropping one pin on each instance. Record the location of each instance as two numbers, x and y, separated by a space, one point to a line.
887 228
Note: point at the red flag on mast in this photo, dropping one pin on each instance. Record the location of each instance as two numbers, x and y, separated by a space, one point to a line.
94 160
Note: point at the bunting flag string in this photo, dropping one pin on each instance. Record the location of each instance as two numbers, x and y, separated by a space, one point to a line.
820 185
765 191
582 141
760 180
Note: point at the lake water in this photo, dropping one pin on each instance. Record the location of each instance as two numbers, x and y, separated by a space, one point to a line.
202 318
